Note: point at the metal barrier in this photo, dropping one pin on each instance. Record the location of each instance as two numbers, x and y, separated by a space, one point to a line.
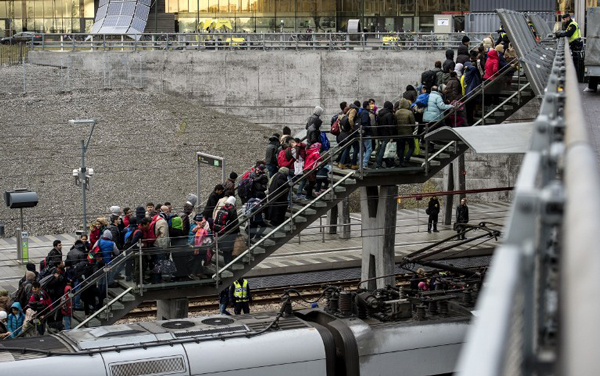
543 278
255 41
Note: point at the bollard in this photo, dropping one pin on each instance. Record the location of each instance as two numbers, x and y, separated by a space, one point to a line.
1 229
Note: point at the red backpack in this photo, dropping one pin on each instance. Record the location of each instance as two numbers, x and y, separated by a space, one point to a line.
220 221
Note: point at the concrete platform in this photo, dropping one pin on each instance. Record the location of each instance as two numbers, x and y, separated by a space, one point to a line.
312 250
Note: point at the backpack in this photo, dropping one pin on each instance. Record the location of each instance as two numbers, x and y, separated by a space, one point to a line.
245 187
428 78
94 256
247 174
220 221
129 238
345 123
43 263
128 233
325 145
335 127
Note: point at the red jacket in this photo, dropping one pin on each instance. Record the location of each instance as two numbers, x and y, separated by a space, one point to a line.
43 300
67 308
492 64
312 157
285 158
94 236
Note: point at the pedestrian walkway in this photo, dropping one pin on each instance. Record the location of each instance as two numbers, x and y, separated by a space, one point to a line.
312 250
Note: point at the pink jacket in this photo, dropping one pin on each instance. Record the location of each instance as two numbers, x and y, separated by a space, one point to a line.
312 156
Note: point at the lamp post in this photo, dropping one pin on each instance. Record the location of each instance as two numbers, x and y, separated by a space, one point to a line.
83 174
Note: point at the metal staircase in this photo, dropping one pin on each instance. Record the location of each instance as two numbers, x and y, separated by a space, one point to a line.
118 301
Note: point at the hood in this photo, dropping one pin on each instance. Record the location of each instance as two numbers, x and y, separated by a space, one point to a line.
458 68
315 147
318 111
468 64
68 289
231 200
107 235
273 138
493 54
463 50
177 223
388 106
17 305
450 54
404 103
284 170
487 42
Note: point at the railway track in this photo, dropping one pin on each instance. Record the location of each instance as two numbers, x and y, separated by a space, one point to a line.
266 296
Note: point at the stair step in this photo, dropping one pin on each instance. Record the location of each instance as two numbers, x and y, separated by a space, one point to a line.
278 235
422 160
297 219
238 266
226 274
268 243
307 211
114 292
319 204
80 317
339 188
116 306
259 250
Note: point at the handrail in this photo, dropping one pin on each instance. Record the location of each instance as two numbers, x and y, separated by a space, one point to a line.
282 225
92 316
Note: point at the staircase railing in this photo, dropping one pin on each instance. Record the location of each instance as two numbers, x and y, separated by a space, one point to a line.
104 308
88 282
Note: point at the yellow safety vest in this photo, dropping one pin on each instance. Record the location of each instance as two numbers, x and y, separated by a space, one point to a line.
577 34
241 291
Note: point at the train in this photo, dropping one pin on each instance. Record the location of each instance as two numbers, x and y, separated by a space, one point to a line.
384 332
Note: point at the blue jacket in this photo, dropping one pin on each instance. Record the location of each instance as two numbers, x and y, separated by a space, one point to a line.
435 108
472 78
14 323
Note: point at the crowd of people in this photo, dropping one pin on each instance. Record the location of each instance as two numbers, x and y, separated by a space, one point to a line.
181 246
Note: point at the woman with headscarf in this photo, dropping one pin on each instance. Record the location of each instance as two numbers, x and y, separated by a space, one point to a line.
315 118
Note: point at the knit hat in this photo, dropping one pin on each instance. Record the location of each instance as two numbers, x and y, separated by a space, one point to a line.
233 175
133 221
30 266
198 217
115 210
318 111
177 223
192 199
3 315
231 200
465 39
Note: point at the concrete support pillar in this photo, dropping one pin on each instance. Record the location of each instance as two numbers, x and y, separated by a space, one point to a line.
378 214
344 215
449 200
332 219
172 309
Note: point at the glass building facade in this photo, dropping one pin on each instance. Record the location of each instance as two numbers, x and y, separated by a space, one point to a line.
64 16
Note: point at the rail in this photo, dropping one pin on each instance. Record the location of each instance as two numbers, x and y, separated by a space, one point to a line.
543 278
103 308
251 41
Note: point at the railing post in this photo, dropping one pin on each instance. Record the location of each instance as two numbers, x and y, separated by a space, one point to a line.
331 172
217 275
519 85
361 150
426 150
141 268
483 103
263 41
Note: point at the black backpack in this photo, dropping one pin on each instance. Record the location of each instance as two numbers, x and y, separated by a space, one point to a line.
129 239
220 221
428 78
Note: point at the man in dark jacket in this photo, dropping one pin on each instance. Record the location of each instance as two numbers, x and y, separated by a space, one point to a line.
315 118
30 267
77 254
386 121
367 122
313 134
213 198
462 216
433 209
239 295
114 227
463 51
449 64
271 155
229 185
54 257
224 302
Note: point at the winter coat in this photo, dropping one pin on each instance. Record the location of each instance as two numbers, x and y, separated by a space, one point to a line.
312 157
404 116
386 118
352 117
161 230
56 285
232 220
271 153
286 158
453 90
449 64
229 186
472 77
40 301
315 120
116 235
15 322
366 117
435 108
313 134
462 214
492 64
67 308
411 95
260 182
439 76
107 246
462 54
54 258
213 198
433 206
278 186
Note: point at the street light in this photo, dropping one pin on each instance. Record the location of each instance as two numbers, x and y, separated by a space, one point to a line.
83 175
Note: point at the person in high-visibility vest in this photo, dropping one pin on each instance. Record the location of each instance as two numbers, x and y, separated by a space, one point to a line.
240 296
502 37
573 32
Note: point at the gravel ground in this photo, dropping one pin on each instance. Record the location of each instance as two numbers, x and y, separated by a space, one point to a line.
143 148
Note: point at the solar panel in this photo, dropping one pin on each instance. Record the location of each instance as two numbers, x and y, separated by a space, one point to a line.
142 12
128 9
121 17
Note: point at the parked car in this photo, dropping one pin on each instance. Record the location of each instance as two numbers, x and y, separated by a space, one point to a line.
22 37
